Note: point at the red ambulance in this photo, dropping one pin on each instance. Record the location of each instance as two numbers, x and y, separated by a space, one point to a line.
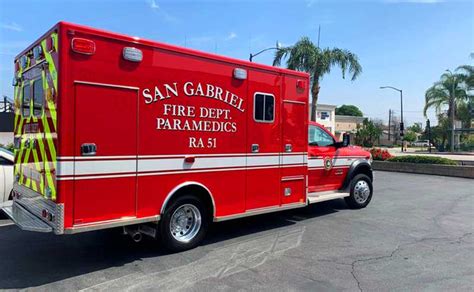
113 130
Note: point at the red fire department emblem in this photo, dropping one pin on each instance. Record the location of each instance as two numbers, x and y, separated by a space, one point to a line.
327 163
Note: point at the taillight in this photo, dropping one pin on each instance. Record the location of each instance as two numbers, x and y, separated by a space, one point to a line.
83 46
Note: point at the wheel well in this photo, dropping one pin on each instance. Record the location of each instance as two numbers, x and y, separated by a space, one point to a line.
364 169
197 190
359 169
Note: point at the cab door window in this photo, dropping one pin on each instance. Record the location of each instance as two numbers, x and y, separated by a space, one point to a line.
38 98
25 104
319 137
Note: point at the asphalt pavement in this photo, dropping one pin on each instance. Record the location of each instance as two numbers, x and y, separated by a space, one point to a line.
416 234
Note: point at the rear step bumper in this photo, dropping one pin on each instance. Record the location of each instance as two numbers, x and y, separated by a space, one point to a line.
31 211
25 219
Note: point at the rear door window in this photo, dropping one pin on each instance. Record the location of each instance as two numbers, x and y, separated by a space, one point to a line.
25 105
38 98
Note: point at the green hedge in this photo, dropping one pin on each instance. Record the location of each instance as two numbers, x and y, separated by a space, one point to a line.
423 159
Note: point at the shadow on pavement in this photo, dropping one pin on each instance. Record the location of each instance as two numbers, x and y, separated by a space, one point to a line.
29 259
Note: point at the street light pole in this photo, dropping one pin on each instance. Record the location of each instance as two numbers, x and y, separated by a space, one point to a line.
277 47
402 127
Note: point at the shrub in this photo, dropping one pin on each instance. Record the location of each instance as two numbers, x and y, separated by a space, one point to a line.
423 159
380 154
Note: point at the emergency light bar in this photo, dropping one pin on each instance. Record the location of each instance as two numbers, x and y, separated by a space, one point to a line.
132 54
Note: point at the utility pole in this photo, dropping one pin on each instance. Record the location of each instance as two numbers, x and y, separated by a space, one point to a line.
452 105
389 123
402 127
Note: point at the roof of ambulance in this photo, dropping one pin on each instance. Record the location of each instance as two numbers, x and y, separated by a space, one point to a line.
164 46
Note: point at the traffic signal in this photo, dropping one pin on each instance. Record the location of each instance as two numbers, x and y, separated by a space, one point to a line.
402 129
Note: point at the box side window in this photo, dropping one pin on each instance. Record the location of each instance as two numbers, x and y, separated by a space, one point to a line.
25 103
264 108
38 98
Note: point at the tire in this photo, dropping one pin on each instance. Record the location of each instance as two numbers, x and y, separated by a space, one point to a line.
360 196
184 223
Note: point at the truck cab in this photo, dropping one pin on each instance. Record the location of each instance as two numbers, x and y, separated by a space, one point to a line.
333 167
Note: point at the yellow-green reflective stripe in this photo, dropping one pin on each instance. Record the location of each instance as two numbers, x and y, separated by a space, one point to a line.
53 74
38 168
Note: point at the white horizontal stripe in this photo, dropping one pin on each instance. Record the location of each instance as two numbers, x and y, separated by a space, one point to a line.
179 164
105 166
294 159
315 163
179 155
116 167
263 160
165 173
65 168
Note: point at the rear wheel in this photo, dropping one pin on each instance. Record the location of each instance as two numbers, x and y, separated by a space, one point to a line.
184 223
361 192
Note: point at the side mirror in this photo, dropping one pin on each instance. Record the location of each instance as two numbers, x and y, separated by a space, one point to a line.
346 140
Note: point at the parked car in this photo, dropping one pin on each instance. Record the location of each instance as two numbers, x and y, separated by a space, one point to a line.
422 143
6 174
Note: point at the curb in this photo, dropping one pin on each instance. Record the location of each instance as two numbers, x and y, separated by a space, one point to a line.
433 169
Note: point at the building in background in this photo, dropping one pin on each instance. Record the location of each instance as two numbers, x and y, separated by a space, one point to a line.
325 115
347 125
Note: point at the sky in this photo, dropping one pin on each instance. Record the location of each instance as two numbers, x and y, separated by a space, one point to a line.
402 43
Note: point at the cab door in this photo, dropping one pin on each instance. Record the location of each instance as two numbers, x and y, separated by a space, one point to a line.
322 156
105 152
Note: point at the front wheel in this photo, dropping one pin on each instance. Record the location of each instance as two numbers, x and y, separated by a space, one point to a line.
361 192
184 223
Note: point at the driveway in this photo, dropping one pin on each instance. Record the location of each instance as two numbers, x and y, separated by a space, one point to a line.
417 234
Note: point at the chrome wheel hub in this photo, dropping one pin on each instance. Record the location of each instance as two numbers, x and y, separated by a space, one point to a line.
185 223
361 191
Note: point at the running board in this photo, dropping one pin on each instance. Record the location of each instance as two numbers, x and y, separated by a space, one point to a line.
325 196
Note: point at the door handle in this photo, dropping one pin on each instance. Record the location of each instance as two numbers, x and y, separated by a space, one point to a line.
255 148
88 149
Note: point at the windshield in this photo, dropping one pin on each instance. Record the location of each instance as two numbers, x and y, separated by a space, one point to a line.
319 137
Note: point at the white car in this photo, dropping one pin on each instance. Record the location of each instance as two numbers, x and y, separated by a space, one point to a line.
422 143
6 174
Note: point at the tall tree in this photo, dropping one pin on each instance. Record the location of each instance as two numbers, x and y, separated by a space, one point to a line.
306 56
349 110
442 95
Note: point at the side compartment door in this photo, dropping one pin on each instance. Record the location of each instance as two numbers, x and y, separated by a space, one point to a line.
263 141
105 153
294 147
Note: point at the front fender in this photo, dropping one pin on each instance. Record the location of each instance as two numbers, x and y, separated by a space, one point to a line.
357 167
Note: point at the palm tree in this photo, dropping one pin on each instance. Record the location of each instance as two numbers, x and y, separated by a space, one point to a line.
467 75
451 92
440 95
306 56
